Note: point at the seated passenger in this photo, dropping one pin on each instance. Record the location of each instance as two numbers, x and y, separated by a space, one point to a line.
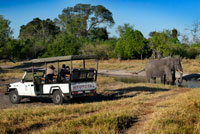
51 71
64 71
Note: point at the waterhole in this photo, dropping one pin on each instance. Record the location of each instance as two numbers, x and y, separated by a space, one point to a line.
189 81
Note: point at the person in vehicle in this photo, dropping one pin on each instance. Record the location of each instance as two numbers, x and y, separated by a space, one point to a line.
51 71
64 71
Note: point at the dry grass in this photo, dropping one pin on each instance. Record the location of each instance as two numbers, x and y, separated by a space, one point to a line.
116 110
189 66
9 74
178 115
7 63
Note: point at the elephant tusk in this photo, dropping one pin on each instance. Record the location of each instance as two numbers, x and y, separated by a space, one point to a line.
180 72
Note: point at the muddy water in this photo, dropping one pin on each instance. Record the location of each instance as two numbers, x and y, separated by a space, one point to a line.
141 79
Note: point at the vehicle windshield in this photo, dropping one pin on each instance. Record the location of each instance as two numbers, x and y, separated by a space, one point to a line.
29 76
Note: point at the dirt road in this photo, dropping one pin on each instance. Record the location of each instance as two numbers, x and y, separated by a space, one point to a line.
146 113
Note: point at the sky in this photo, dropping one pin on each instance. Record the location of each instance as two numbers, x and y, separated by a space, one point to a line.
145 15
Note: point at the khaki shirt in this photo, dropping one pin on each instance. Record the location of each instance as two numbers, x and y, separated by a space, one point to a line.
51 71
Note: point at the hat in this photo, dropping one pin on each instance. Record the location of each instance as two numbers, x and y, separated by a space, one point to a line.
52 67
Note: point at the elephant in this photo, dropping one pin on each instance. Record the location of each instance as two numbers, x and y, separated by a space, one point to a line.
164 68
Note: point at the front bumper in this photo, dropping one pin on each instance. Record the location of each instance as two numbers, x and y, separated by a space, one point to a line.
6 93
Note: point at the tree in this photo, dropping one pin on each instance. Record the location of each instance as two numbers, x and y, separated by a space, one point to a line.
163 42
132 44
40 30
5 30
5 37
81 19
99 33
38 33
62 45
122 29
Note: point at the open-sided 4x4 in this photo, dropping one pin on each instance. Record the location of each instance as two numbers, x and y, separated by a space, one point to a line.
79 82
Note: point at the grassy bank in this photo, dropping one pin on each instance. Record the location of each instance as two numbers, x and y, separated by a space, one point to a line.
178 115
189 66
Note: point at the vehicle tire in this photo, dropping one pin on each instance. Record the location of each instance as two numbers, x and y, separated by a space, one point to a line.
14 97
57 98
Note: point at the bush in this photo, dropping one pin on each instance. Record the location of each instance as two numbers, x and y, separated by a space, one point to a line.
103 51
192 52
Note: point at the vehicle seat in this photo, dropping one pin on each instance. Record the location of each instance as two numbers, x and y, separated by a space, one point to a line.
90 74
75 74
83 73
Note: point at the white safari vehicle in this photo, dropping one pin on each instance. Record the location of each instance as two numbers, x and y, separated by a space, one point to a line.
79 82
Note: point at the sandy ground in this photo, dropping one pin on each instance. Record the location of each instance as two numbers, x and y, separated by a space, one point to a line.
127 73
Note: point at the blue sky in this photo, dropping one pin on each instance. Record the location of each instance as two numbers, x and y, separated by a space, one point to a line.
145 15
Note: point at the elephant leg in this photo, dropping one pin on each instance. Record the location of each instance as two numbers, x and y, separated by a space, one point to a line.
168 73
163 79
173 77
154 79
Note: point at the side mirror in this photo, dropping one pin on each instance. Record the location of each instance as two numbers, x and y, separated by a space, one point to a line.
22 80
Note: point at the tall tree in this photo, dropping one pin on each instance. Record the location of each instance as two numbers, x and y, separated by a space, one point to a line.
81 19
38 33
122 29
162 42
99 33
5 36
132 44
5 30
62 45
40 30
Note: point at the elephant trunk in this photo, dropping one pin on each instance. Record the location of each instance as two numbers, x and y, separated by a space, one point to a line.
181 75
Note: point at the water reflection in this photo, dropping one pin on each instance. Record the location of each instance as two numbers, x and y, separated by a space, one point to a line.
192 83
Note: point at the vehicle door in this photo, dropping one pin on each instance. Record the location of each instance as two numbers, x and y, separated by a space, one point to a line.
26 89
27 86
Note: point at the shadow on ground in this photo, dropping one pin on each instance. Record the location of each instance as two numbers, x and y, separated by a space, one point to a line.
123 93
110 95
191 77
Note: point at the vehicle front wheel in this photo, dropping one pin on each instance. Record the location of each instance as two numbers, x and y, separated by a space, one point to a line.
57 98
14 97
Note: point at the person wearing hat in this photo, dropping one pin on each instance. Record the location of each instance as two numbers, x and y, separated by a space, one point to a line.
51 71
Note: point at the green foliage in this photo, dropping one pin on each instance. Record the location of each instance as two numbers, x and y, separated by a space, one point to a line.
193 52
132 44
122 29
196 45
163 42
5 30
35 36
98 34
81 19
38 30
180 50
63 44
103 49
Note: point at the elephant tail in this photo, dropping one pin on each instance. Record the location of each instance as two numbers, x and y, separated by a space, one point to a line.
139 71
